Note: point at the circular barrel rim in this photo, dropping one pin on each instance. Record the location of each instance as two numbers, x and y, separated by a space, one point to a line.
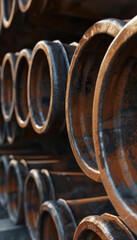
19 217
40 46
109 27
8 58
57 210
99 226
26 55
7 21
35 176
121 204
46 117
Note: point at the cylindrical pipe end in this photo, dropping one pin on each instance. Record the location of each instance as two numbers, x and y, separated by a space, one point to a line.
7 85
81 84
103 227
56 221
114 123
21 79
9 8
47 87
15 186
35 192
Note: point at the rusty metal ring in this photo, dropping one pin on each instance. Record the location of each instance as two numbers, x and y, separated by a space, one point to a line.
21 77
9 7
103 227
33 182
15 207
114 123
8 92
80 91
46 87
59 214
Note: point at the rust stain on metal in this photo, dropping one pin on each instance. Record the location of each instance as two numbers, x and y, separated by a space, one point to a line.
80 91
114 123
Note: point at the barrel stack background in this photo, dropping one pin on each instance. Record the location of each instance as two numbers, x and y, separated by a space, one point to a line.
68 120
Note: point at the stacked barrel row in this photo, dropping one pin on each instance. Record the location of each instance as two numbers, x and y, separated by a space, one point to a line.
51 202
90 89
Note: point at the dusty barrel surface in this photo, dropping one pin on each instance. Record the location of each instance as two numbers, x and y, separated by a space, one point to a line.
103 227
61 218
114 123
80 91
4 161
47 85
49 185
9 9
